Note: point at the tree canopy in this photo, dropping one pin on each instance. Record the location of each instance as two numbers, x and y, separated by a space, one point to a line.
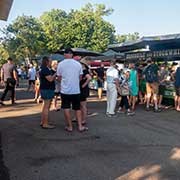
28 37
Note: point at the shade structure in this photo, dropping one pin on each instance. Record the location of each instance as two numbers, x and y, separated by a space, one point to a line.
5 6
57 57
81 52
109 55
171 41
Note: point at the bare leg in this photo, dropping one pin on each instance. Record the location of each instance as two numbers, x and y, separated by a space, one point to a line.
45 112
148 100
178 103
79 119
55 102
155 101
84 111
133 102
160 101
100 93
141 97
67 115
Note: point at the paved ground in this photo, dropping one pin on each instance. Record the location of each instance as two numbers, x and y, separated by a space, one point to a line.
143 147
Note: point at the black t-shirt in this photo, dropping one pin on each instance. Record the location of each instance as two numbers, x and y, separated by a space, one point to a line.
44 83
100 72
85 90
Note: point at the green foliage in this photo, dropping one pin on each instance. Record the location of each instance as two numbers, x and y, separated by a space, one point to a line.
127 37
29 37
84 28
24 38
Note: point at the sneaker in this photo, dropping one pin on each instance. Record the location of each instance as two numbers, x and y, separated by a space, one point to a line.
157 110
131 113
147 109
111 115
120 111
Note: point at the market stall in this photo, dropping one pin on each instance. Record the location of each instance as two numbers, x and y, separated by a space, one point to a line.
160 48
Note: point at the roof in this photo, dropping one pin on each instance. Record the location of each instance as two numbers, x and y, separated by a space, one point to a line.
81 52
5 6
171 41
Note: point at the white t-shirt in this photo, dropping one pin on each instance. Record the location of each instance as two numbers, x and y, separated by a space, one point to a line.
19 71
70 71
32 74
111 75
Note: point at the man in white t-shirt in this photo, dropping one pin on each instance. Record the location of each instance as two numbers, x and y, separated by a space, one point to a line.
112 83
31 77
70 72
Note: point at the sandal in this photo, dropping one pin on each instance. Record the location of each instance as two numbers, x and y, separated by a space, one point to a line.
84 128
48 126
84 123
68 129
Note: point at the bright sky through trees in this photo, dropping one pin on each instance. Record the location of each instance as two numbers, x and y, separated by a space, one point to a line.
148 17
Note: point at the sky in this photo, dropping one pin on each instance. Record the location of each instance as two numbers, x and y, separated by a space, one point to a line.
148 17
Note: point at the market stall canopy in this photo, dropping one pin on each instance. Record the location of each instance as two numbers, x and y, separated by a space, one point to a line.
57 57
5 6
150 42
81 52
109 55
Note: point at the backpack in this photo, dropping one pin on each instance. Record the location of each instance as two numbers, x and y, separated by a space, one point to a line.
150 74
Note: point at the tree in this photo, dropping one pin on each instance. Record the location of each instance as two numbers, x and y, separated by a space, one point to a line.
24 38
84 28
127 37
4 55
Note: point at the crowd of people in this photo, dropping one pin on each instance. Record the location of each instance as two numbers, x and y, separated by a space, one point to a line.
69 79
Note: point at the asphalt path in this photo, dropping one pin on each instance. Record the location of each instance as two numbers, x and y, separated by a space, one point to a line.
142 147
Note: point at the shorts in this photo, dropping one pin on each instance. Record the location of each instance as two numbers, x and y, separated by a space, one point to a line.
69 100
161 89
177 91
84 94
152 88
47 94
100 84
31 82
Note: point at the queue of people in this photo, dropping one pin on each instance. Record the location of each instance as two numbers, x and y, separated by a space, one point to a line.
70 79
145 85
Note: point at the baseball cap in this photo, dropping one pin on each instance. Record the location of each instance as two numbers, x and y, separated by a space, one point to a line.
68 51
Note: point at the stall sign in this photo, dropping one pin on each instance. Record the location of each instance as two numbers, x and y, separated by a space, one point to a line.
153 54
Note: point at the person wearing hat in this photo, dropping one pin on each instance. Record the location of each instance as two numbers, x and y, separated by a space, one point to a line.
9 79
84 89
70 73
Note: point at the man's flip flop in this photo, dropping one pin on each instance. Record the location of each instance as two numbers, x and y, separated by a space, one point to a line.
68 129
83 129
48 127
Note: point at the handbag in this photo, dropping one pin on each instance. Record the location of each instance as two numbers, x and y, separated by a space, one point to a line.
123 90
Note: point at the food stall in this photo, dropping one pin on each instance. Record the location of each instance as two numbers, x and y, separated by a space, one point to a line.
160 48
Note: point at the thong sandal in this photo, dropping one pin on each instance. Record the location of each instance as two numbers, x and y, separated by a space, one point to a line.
68 129
48 126
84 128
